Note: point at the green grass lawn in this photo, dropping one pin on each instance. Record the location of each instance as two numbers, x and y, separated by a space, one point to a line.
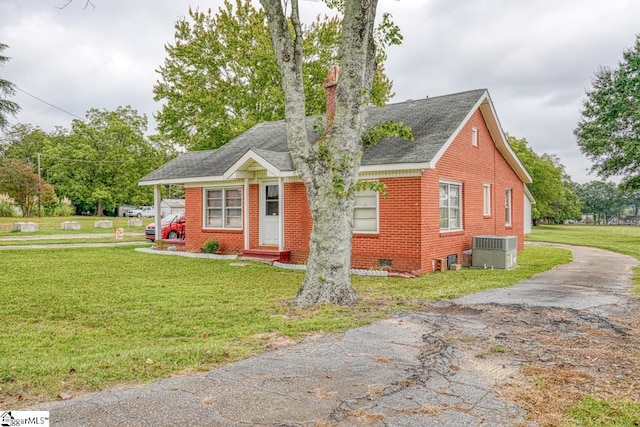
617 238
52 225
79 320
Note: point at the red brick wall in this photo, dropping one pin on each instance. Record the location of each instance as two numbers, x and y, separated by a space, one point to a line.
473 167
297 221
254 215
409 233
398 238
401 245
231 241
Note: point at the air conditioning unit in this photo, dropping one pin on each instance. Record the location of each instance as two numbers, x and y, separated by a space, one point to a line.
495 252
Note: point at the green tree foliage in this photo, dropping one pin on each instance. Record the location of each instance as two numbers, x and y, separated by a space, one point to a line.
6 89
631 198
220 76
20 182
608 132
24 142
97 164
551 187
600 199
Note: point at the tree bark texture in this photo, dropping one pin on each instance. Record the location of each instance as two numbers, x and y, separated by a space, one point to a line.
330 167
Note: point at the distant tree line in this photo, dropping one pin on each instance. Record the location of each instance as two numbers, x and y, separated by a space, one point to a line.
94 166
558 199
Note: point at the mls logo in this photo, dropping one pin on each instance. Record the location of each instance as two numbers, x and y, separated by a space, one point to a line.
5 419
24 418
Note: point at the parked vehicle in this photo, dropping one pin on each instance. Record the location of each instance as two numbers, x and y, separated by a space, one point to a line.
172 228
142 212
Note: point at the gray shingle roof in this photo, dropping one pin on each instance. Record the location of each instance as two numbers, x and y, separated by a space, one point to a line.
432 120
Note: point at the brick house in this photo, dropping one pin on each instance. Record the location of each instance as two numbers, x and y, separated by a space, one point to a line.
458 179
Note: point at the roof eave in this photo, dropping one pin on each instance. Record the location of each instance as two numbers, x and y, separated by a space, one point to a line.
500 139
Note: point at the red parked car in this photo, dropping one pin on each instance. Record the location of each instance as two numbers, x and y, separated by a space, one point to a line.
172 228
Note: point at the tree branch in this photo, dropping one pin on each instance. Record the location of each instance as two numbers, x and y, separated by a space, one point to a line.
87 4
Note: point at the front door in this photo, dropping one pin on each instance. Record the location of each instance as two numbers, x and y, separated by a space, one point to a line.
270 200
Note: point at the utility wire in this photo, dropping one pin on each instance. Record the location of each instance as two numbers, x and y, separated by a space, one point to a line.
83 161
48 103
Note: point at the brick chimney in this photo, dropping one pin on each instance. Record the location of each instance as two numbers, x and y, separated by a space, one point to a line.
330 84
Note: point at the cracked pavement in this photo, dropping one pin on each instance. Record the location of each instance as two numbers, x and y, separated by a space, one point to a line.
416 369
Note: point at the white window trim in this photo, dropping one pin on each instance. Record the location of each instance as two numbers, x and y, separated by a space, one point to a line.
474 136
508 207
224 207
377 208
460 204
486 199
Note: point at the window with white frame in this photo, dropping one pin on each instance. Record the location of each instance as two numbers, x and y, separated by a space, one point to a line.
507 207
487 200
474 136
223 208
365 212
450 206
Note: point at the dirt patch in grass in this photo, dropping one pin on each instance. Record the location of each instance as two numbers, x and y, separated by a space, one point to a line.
550 358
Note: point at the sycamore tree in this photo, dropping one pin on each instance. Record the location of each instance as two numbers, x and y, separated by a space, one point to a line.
608 132
6 89
20 182
220 76
329 167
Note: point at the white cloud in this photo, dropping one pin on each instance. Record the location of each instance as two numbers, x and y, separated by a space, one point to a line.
536 58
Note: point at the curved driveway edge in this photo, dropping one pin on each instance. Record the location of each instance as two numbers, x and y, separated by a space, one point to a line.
597 280
396 372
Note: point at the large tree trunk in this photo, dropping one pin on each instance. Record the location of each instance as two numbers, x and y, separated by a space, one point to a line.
328 276
330 167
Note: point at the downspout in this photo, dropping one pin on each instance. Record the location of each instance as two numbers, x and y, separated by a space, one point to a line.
157 202
246 214
281 216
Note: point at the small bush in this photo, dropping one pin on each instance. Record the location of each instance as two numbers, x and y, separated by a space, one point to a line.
6 209
62 207
211 246
161 245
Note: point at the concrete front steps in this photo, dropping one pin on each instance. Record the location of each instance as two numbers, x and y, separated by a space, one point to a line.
266 254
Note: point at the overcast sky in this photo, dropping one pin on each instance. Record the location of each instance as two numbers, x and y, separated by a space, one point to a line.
535 57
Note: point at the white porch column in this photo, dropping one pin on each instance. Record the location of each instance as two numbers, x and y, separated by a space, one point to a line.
281 210
157 202
246 213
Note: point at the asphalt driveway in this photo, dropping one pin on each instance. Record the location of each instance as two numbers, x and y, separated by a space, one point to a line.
404 371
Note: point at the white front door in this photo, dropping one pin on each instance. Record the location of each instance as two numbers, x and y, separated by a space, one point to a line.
270 213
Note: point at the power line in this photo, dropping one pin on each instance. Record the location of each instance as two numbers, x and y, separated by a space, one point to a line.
48 103
82 160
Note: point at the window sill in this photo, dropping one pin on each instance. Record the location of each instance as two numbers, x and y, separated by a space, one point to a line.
444 233
487 216
370 235
222 230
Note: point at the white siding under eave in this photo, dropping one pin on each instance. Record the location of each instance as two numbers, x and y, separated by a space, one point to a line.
527 215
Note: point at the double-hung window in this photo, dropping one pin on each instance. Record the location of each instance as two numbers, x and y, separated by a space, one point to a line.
365 212
507 207
450 206
223 208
